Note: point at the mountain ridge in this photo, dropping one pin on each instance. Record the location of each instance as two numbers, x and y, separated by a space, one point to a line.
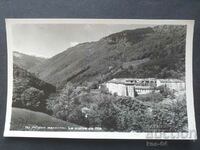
102 60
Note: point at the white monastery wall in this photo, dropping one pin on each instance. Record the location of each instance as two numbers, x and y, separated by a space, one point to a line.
123 87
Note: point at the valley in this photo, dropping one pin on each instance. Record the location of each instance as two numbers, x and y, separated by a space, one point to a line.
67 85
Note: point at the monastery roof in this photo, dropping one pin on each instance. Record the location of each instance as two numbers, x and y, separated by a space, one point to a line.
129 80
170 81
132 81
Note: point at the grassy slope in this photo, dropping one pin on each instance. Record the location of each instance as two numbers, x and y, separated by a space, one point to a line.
23 117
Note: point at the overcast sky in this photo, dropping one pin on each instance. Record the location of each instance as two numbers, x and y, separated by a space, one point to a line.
47 40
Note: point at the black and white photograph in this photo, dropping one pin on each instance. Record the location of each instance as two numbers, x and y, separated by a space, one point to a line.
100 78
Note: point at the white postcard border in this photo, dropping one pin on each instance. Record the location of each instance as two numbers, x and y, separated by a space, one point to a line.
191 135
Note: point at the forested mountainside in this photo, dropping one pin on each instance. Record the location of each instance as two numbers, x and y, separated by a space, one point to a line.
26 61
157 52
29 91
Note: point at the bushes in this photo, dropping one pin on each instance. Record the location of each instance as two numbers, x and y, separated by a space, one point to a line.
108 112
151 97
104 89
29 91
78 117
116 113
166 92
33 99
16 99
103 110
172 118
66 105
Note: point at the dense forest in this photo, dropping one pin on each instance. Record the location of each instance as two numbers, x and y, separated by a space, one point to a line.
89 107
29 91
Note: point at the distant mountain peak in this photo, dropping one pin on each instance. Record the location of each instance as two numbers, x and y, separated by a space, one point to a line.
17 54
26 61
